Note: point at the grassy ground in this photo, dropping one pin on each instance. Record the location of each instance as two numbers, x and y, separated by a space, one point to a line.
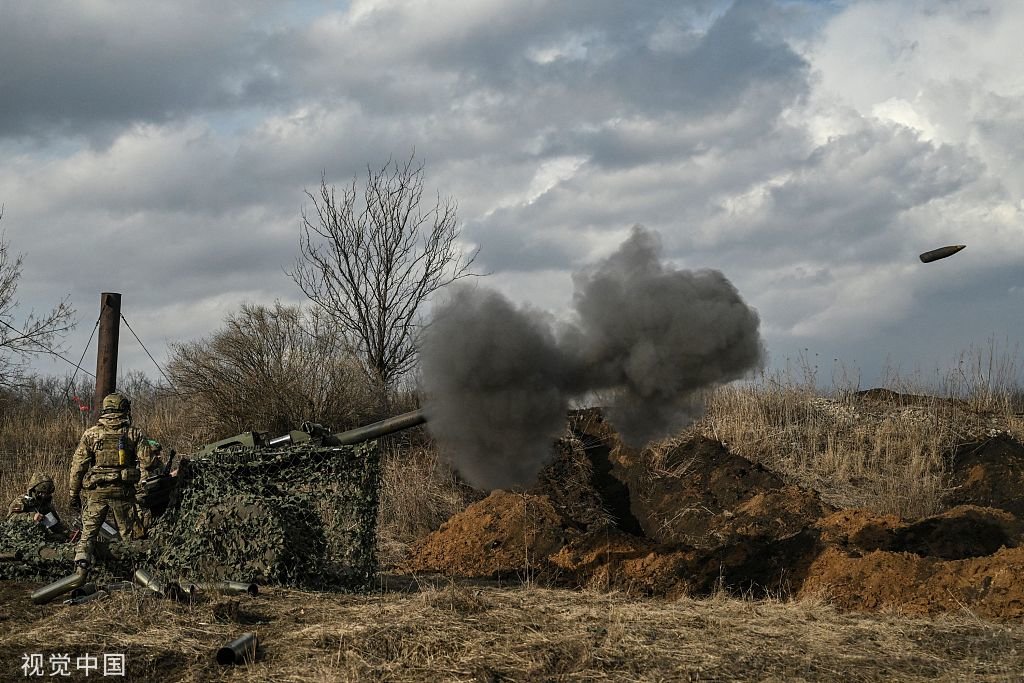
446 631
851 451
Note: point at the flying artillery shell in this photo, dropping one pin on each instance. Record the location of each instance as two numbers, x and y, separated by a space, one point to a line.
941 252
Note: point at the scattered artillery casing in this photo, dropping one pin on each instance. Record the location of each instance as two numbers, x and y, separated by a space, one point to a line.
85 589
82 599
238 651
57 588
165 590
119 586
236 588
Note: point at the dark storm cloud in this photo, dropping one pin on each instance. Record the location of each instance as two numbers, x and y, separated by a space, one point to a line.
743 132
74 67
499 379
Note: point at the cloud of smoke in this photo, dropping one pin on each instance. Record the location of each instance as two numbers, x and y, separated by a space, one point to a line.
500 378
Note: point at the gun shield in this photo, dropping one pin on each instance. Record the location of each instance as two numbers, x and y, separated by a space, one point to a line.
238 651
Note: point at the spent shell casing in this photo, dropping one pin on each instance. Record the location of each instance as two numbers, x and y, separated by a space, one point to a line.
58 588
239 651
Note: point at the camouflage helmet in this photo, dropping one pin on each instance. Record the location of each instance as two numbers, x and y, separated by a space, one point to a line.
41 483
116 403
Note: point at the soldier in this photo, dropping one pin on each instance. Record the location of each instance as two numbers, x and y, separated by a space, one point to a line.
152 491
105 468
37 505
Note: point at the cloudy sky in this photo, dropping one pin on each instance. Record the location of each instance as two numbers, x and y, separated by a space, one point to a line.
809 150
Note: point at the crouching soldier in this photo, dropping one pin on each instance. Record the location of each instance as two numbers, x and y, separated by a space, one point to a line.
37 506
152 494
105 469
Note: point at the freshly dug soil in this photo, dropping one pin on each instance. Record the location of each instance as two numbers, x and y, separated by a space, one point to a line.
988 586
989 473
608 559
703 495
568 483
776 514
699 519
504 534
963 532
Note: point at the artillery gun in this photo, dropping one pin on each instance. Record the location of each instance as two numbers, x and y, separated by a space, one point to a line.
314 433
296 509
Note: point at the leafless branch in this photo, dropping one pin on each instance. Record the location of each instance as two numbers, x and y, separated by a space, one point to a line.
371 258
35 333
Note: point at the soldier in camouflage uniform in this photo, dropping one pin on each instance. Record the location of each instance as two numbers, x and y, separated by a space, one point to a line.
105 468
156 467
37 505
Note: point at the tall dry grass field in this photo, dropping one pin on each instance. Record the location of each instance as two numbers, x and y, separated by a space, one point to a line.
885 450
879 451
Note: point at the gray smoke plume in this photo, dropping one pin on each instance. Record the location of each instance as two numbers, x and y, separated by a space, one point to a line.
499 379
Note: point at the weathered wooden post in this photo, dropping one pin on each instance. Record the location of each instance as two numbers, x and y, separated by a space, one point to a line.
106 347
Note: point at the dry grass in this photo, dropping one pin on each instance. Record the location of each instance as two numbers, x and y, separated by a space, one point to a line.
473 632
889 455
857 453
418 493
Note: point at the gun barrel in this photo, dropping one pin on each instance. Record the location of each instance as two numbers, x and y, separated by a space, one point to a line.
378 429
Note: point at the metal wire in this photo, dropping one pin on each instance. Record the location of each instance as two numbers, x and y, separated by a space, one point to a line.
159 369
78 367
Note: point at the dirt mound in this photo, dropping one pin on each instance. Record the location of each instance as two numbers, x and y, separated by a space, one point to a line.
609 559
696 519
568 482
963 532
503 534
855 528
990 473
777 513
700 494
911 584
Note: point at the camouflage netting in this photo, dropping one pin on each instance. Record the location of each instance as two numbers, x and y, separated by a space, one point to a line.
300 515
41 558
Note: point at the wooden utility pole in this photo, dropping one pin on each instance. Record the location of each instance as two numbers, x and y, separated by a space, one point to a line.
106 347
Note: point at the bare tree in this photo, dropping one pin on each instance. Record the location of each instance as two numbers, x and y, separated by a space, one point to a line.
35 334
370 259
270 368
